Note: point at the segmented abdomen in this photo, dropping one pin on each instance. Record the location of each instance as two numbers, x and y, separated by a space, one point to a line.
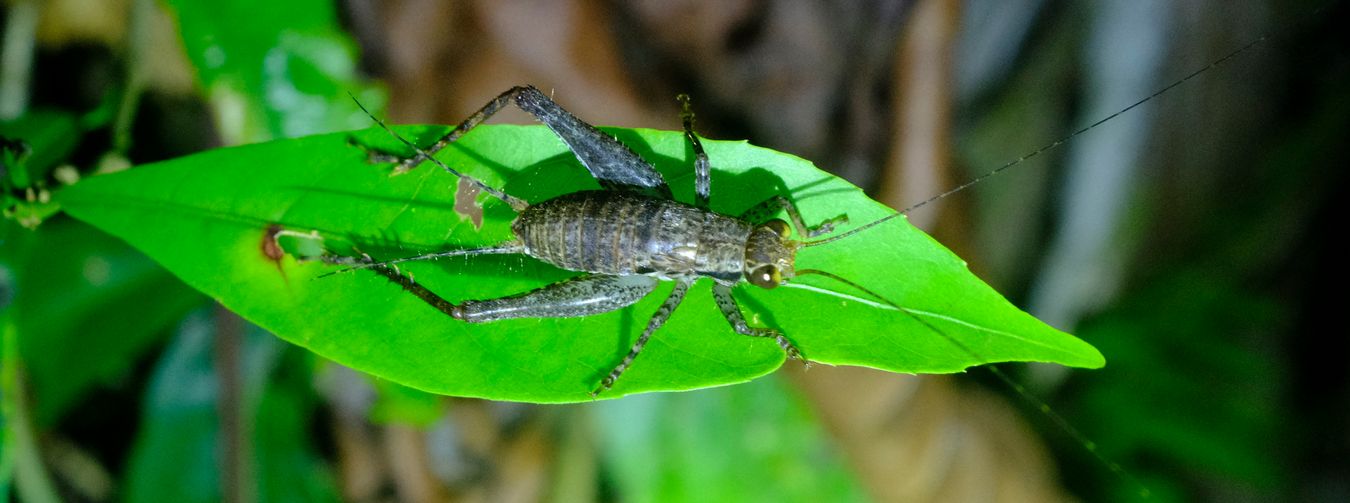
613 232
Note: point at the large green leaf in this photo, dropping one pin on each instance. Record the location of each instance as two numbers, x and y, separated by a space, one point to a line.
205 217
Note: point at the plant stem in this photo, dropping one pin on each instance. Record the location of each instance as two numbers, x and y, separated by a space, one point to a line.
16 57
235 474
138 39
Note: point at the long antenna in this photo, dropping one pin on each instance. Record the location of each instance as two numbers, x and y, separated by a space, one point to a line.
1047 147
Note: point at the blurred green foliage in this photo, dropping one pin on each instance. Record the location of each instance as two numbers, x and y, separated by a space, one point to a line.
178 450
9 369
754 442
86 306
1193 390
274 69
49 136
31 146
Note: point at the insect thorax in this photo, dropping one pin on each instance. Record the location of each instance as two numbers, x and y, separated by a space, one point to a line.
616 232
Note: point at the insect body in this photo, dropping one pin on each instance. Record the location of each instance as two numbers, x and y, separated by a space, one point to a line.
627 237
610 232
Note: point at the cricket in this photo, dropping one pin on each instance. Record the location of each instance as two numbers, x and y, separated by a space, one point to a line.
627 236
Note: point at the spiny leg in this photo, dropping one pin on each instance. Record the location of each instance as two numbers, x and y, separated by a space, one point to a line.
365 262
421 292
727 303
702 169
658 319
580 296
392 273
768 207
488 110
611 162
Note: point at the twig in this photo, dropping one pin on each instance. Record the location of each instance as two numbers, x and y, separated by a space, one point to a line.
236 483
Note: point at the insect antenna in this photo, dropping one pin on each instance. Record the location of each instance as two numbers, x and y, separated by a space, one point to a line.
516 203
1043 149
1021 391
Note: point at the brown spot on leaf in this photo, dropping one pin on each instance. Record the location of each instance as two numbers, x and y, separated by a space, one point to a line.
271 250
466 202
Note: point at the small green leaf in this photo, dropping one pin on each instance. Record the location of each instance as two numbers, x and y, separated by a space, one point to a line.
49 137
32 146
206 218
273 69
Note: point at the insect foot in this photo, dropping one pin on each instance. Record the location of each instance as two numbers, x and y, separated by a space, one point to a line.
363 259
792 352
377 156
827 226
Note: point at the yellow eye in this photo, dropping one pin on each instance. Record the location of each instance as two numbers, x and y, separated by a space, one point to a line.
765 277
778 226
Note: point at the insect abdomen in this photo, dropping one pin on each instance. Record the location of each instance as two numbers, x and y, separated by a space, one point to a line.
611 232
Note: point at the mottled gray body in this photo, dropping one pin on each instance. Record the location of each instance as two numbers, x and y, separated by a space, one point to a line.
623 233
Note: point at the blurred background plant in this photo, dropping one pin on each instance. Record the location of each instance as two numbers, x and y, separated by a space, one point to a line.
1187 239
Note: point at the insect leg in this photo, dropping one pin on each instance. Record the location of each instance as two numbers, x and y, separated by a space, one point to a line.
727 303
404 165
658 319
768 207
702 169
488 110
581 296
611 162
421 292
365 262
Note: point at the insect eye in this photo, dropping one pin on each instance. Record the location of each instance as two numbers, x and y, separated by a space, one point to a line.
765 277
778 226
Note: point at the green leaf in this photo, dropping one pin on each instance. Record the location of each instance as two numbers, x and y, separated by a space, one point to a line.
31 146
50 137
757 442
86 306
273 69
205 217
